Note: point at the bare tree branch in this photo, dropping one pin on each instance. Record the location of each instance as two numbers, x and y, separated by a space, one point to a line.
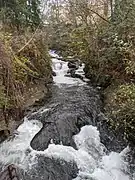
99 16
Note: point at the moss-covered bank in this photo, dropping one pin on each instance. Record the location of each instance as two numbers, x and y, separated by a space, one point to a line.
25 72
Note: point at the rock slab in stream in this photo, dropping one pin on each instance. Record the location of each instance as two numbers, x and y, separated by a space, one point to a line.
52 169
70 109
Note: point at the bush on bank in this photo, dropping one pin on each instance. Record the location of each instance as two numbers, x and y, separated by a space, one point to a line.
120 109
20 68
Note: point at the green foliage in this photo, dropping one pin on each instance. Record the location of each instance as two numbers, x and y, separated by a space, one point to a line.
36 56
79 45
20 13
24 58
121 110
19 70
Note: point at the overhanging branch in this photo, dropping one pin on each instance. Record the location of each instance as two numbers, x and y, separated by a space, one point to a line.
99 16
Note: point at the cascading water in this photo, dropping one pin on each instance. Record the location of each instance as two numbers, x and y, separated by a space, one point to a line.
89 160
61 68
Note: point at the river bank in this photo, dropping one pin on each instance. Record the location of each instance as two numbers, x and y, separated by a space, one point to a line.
25 76
35 95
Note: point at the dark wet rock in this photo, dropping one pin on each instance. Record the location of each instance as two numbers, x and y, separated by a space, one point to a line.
53 73
72 72
74 76
67 75
4 134
87 71
104 81
111 140
72 65
130 158
78 76
72 108
52 169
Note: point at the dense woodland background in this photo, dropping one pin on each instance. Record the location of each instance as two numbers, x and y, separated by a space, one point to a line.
101 33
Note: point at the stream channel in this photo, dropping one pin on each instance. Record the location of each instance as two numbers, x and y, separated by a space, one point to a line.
67 138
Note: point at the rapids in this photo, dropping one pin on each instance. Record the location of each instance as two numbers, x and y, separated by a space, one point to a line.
61 141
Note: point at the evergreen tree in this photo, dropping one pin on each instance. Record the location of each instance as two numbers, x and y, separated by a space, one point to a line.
20 13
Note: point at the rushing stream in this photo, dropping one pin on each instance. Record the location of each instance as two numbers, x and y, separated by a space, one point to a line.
61 141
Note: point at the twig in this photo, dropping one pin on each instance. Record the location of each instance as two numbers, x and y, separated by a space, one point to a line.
29 39
99 16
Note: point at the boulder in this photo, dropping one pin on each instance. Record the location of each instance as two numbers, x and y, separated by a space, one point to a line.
52 169
73 65
53 73
69 111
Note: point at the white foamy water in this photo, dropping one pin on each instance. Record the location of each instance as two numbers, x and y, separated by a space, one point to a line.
91 159
61 69
17 150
